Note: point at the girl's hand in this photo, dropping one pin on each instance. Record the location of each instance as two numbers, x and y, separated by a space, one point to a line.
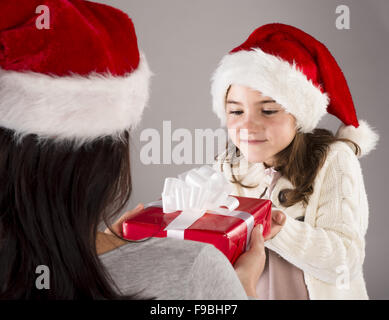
117 226
249 266
277 222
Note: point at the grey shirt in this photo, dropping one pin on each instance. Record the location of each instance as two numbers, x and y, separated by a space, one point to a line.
167 268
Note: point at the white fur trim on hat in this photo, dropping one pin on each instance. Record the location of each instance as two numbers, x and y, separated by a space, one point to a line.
73 107
364 136
273 77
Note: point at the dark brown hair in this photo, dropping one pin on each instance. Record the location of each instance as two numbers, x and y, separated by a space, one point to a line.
51 201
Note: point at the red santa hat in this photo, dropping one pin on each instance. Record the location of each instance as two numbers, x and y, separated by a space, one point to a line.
297 71
81 79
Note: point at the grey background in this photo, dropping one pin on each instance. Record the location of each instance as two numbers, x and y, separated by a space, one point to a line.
185 40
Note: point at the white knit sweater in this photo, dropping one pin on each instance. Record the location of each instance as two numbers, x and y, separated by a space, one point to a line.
329 245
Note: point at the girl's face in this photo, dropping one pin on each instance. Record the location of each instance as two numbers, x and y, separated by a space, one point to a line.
257 125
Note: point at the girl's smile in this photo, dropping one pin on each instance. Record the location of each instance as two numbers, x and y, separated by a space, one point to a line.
256 142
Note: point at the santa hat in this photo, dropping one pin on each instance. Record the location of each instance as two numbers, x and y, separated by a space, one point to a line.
297 71
82 79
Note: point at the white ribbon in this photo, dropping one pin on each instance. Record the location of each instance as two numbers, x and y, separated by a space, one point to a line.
196 192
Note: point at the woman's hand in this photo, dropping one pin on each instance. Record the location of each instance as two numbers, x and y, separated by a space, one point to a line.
117 226
249 266
277 222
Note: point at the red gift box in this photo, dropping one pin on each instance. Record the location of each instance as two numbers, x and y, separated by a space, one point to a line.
227 233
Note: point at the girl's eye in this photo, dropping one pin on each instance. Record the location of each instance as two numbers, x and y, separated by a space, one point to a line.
236 112
268 112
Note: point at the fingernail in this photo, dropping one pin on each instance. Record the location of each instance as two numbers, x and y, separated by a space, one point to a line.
261 228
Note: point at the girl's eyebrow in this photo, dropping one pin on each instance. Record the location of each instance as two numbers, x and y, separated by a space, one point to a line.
259 102
265 101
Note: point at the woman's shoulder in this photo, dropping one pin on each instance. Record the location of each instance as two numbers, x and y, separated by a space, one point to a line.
164 268
161 246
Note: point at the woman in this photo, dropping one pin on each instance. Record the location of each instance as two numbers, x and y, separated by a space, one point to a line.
69 98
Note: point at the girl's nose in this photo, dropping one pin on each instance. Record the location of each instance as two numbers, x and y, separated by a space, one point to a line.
252 122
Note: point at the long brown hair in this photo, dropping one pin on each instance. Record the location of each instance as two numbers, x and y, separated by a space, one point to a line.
52 199
299 162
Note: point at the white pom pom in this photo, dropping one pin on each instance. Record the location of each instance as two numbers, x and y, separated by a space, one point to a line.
364 136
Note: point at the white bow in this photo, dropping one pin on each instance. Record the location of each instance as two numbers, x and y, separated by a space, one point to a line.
196 192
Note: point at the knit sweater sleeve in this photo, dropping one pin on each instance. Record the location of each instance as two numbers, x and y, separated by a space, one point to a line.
335 244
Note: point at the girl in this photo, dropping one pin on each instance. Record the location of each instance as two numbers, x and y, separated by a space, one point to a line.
271 92
69 97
